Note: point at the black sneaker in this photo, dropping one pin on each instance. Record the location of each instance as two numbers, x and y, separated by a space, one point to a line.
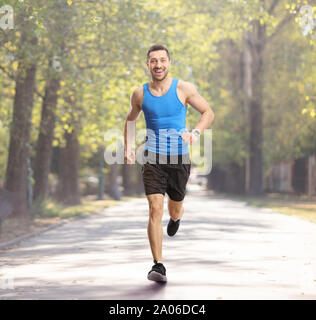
157 273
173 227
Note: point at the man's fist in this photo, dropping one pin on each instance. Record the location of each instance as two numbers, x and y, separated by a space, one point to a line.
189 137
130 157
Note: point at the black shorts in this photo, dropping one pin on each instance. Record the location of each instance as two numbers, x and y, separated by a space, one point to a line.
167 177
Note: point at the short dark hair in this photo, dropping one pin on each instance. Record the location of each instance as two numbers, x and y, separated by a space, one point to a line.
157 47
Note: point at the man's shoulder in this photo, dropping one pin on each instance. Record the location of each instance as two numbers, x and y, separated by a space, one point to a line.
137 94
138 90
186 86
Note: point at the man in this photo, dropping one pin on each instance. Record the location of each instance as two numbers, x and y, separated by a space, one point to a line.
164 102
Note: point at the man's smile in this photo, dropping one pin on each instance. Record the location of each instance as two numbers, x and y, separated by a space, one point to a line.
158 71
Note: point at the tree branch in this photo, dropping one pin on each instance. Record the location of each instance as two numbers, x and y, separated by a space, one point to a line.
281 25
273 5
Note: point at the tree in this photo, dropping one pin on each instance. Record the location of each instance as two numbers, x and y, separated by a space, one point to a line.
23 105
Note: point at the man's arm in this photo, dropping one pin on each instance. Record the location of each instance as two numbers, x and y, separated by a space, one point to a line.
200 104
130 126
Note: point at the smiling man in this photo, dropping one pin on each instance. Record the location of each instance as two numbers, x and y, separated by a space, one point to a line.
164 102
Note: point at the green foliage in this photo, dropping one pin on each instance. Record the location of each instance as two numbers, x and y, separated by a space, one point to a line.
101 48
48 208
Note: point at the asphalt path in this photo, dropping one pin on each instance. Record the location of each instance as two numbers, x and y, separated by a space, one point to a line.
224 249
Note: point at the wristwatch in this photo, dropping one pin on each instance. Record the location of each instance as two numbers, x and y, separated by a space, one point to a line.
196 132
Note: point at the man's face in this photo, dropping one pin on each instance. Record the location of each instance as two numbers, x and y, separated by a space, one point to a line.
158 64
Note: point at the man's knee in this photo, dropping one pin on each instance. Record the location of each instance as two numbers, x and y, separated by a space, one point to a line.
156 210
156 203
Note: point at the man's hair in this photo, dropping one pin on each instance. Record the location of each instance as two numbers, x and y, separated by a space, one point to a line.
157 47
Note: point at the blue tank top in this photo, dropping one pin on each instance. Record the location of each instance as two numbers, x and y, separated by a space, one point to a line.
165 121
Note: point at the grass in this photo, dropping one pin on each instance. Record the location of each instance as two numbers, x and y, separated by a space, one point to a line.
293 205
49 208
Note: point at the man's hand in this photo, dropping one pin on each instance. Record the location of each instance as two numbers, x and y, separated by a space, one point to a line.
189 137
130 157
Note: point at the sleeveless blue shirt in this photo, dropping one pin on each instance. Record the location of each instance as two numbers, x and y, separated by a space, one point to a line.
165 121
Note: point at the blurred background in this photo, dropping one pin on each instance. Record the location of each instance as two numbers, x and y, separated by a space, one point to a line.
68 68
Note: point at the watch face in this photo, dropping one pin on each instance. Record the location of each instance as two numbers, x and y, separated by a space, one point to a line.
196 132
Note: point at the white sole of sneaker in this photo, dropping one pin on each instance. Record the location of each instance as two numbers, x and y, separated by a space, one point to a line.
156 276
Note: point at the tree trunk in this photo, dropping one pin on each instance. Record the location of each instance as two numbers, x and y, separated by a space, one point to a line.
101 174
127 172
16 181
45 139
68 184
113 186
254 42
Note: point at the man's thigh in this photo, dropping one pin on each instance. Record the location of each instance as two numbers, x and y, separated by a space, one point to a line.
154 179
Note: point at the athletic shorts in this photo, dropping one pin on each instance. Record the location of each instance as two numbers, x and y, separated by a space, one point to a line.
170 176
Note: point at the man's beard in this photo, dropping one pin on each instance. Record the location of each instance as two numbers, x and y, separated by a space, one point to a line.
157 79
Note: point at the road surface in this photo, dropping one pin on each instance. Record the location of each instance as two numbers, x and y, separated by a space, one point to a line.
224 249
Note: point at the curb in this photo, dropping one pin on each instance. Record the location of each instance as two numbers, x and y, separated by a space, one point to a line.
16 241
13 242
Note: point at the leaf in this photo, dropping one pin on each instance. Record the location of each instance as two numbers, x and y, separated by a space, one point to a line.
15 65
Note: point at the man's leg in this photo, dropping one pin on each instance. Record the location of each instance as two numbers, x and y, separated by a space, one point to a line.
175 209
176 213
154 229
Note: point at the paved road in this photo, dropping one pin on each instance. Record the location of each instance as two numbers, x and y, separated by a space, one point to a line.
223 250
